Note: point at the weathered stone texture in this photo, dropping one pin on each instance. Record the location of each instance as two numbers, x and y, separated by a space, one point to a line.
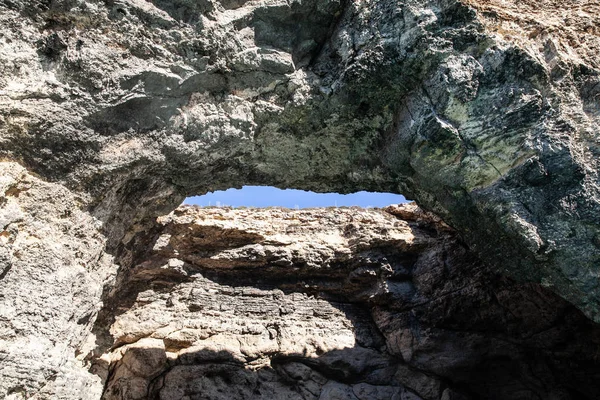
485 112
52 270
332 304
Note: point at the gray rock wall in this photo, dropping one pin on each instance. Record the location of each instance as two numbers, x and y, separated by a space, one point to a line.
464 107
485 112
52 269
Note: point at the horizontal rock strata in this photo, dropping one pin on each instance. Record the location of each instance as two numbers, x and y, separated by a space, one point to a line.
333 304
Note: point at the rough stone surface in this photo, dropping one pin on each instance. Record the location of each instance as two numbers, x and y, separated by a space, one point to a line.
485 112
52 271
332 304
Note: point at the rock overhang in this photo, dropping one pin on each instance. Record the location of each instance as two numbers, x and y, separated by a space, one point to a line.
485 118
419 98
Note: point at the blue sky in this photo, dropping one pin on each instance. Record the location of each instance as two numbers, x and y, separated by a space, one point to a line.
266 196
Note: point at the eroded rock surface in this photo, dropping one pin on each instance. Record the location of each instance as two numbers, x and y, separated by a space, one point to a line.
52 271
485 112
333 304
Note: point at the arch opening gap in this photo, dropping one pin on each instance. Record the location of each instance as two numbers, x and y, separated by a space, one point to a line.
269 196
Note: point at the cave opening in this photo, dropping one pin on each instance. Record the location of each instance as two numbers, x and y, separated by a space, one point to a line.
269 196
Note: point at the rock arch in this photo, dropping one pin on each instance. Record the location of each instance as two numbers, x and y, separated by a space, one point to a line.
127 107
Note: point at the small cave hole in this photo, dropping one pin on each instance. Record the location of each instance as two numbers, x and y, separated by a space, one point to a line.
268 196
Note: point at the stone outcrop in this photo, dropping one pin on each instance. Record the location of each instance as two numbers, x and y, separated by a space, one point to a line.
332 304
112 111
484 112
52 271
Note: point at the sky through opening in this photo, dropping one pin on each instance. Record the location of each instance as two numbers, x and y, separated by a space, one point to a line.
268 196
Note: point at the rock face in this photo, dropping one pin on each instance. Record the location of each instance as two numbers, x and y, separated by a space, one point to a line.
332 304
52 271
485 112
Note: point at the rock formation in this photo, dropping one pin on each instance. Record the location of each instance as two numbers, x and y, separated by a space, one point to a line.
112 111
52 272
332 304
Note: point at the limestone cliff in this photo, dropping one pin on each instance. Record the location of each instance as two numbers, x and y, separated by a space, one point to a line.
332 304
482 111
112 111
